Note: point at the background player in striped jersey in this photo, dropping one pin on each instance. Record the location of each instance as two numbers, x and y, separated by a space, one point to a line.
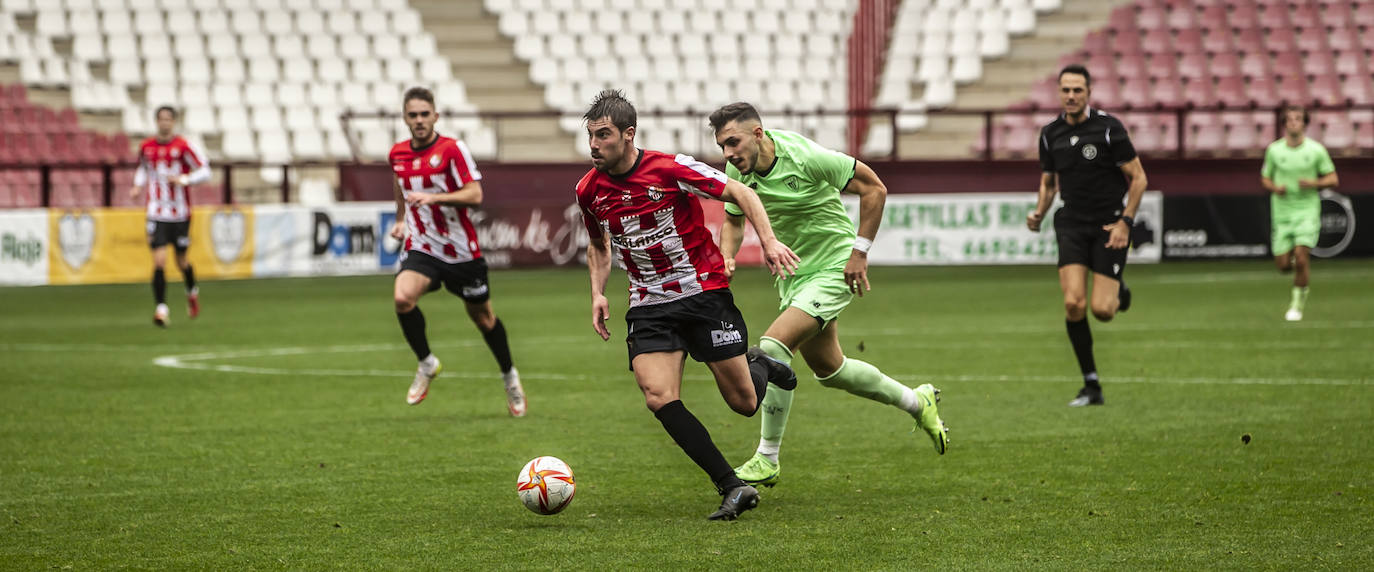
436 182
800 183
645 204
167 166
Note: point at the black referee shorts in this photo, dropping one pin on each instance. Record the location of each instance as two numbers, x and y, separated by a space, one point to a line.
707 325
1086 243
466 280
177 234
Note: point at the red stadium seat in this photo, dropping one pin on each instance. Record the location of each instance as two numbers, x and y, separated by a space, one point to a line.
1200 93
1193 66
1231 92
1132 66
1358 88
1326 90
1213 16
1250 40
1217 41
1122 19
1254 64
1336 15
1243 15
1157 41
1337 132
1293 89
1136 93
1321 62
1182 17
1350 63
1343 39
1168 92
1363 15
1304 15
1274 17
1189 41
1151 18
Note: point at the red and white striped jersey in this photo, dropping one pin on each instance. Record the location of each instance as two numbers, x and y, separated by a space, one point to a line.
159 162
442 231
655 222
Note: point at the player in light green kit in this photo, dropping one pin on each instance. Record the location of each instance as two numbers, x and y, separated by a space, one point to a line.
800 183
1295 168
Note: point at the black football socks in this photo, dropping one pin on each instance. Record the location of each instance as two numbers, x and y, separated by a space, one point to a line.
695 440
413 326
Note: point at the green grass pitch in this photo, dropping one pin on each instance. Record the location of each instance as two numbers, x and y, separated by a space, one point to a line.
283 441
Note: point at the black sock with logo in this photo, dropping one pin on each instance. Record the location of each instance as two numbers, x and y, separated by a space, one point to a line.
413 326
695 440
500 347
1082 339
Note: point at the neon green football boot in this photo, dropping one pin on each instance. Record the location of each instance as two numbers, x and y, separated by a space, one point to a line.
929 419
758 470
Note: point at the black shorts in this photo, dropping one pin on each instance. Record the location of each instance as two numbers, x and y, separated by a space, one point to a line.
466 280
1086 243
707 325
177 234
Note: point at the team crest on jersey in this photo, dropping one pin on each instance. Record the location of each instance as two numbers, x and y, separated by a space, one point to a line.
175 152
434 161
625 196
792 183
1090 151
655 193
415 164
1073 140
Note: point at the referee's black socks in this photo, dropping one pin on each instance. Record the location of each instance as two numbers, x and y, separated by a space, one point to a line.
1081 337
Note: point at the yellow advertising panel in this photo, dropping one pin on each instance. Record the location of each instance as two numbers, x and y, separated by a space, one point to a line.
101 246
222 242
97 246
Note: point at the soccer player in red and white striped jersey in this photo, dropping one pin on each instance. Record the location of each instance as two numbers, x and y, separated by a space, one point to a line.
436 182
645 204
167 166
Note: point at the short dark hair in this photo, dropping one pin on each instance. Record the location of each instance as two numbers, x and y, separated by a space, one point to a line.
168 109
611 103
737 111
1079 70
1306 117
419 93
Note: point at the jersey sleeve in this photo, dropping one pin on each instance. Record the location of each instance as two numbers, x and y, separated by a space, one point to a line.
461 166
584 198
832 167
1267 170
141 173
197 166
1046 157
698 178
1324 164
732 209
1123 150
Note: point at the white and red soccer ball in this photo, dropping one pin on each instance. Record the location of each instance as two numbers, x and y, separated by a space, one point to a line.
546 485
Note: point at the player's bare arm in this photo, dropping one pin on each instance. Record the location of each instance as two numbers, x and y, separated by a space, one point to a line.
468 196
872 197
780 259
731 238
398 227
1327 181
1121 230
1271 186
1049 187
599 267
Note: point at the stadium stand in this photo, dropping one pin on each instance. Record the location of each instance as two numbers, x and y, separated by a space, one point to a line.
257 79
786 54
1246 56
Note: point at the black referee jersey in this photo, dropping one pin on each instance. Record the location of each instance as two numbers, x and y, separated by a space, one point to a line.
1087 158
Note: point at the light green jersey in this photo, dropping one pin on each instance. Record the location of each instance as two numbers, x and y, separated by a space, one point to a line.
1286 165
801 192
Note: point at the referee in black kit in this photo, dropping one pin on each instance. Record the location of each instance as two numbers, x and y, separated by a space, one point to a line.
1087 155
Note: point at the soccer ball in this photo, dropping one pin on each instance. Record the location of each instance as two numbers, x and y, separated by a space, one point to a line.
545 485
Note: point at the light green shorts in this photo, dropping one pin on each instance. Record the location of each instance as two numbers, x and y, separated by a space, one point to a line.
822 295
1295 231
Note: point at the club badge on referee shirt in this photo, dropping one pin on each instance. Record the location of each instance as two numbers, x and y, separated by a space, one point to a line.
1073 140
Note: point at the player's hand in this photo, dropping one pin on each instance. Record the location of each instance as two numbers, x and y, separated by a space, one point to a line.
780 258
135 192
181 180
1307 183
856 273
1120 236
1033 220
398 231
729 268
601 310
418 199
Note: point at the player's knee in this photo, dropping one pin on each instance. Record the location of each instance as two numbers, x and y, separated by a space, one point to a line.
656 400
1075 307
1104 312
404 304
743 403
